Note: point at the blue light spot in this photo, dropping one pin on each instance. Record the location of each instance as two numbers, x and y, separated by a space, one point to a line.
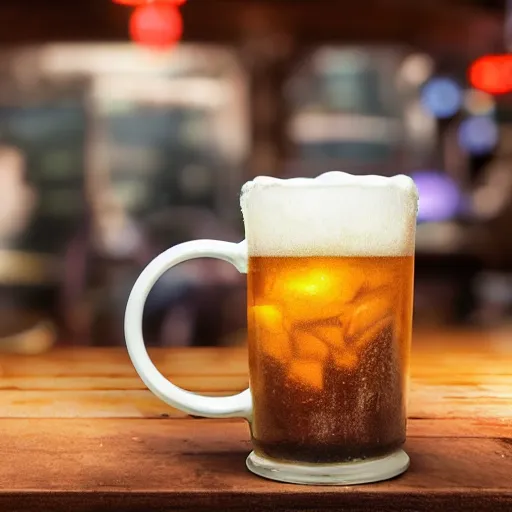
478 135
442 97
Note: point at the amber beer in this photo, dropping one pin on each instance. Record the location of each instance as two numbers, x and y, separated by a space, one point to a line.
328 345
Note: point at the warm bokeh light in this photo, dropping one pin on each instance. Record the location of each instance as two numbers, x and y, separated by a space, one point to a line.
156 25
492 74
479 103
416 69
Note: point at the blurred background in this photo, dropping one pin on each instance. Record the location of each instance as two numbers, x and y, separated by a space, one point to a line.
126 129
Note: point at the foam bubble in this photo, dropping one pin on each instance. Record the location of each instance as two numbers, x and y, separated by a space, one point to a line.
335 214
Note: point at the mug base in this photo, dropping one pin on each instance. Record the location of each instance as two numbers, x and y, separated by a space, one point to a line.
348 473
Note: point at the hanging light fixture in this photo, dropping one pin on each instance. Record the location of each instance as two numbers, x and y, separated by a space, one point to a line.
157 24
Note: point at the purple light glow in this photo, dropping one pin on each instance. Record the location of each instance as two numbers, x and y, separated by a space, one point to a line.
440 198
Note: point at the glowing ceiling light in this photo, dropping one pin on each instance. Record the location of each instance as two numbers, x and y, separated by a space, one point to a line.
156 24
492 74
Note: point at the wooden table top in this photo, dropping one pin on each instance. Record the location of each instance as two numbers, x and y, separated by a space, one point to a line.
79 431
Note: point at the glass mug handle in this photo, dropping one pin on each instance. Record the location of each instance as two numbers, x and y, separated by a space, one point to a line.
213 407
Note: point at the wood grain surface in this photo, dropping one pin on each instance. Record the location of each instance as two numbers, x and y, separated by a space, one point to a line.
78 431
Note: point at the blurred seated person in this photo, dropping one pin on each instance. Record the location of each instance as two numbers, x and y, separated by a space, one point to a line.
208 295
17 198
201 302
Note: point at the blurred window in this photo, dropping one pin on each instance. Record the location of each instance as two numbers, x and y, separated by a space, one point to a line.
346 111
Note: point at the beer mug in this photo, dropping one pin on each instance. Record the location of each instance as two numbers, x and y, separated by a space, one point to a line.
330 291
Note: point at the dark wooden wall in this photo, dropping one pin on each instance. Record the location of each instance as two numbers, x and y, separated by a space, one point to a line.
428 24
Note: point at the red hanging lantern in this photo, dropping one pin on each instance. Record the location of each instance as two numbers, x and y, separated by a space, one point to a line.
137 3
157 24
492 74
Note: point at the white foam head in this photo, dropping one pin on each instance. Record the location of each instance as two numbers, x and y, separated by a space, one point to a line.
336 214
